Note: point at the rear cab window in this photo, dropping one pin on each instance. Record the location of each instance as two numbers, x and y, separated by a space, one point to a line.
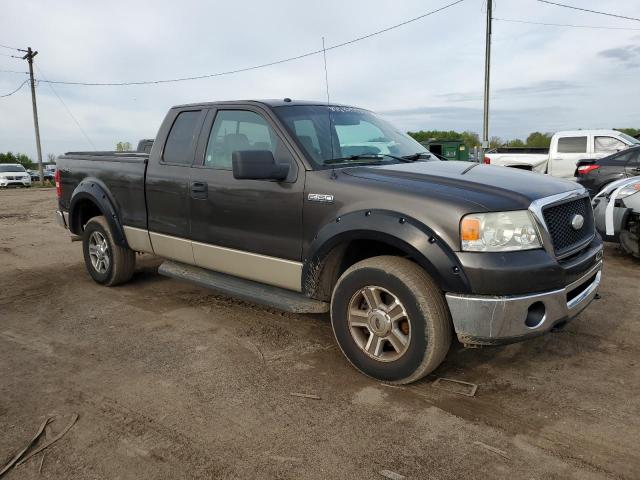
572 145
178 149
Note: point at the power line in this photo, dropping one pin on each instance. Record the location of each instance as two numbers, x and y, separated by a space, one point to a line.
590 11
14 71
66 108
9 48
263 65
16 90
564 24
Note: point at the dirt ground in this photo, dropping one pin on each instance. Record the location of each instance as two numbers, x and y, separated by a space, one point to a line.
172 381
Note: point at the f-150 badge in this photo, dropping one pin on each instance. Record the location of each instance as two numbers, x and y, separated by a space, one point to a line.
320 197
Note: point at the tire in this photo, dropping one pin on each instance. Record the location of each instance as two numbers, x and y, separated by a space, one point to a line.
424 319
110 263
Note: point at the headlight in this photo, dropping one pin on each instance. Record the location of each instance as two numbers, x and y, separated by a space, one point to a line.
499 232
629 189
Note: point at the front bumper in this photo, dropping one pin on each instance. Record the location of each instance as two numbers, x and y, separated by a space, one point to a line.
491 320
15 183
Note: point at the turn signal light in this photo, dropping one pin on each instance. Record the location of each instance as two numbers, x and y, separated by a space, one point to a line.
470 229
486 161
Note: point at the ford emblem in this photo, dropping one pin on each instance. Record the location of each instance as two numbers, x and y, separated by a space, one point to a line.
577 221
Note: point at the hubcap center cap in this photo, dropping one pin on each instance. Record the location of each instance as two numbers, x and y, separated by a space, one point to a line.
379 322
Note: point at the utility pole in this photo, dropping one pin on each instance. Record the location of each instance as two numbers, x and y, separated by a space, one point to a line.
29 58
487 66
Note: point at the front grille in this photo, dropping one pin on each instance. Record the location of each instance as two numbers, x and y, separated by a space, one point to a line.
558 219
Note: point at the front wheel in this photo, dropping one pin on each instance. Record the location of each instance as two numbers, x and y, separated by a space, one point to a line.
390 319
107 262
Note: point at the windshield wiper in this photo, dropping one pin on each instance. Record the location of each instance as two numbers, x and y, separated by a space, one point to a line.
416 156
364 156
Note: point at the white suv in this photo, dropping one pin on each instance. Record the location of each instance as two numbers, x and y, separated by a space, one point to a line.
14 174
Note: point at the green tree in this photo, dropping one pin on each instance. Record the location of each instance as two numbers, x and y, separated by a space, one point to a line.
539 140
516 142
495 142
629 131
470 139
123 147
25 161
20 158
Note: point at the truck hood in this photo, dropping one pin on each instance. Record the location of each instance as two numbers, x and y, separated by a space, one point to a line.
491 187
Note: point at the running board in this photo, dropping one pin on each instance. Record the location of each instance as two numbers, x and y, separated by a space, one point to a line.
247 290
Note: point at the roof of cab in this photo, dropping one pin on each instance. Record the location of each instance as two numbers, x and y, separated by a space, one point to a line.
280 102
595 131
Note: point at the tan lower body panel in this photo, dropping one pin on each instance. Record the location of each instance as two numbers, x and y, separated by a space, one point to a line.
252 266
138 239
174 248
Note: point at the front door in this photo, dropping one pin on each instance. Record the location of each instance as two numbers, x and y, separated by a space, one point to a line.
246 228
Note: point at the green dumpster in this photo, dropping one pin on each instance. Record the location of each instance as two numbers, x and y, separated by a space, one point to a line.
448 149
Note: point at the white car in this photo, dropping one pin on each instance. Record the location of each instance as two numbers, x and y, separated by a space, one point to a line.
566 149
14 175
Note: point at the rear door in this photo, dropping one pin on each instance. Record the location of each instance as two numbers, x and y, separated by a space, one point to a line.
167 184
567 153
247 228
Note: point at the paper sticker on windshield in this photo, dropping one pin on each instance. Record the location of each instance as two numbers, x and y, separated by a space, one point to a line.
334 108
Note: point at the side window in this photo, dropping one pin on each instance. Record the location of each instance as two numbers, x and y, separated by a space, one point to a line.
620 159
181 137
608 144
235 130
634 158
572 145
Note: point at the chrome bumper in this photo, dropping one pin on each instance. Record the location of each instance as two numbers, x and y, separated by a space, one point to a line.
62 219
489 320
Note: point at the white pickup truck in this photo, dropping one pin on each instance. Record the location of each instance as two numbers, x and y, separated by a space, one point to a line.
565 150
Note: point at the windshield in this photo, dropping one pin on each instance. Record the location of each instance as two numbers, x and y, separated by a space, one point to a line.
357 136
630 139
12 168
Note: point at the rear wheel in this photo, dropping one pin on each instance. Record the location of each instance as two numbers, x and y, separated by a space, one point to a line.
107 263
390 319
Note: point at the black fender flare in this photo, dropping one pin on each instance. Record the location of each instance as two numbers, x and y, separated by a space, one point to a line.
414 238
95 191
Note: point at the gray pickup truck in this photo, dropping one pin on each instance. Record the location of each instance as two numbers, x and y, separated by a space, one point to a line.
310 207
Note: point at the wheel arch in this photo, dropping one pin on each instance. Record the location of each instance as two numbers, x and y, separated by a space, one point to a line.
364 234
89 199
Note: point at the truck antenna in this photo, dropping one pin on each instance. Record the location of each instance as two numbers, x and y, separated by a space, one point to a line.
326 82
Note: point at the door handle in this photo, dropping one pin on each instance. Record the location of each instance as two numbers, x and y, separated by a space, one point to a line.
199 189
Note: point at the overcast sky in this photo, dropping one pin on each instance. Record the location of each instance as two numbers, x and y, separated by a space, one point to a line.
424 75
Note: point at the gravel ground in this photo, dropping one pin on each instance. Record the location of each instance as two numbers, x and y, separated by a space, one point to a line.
172 381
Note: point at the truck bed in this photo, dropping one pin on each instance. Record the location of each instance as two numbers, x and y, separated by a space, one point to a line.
122 173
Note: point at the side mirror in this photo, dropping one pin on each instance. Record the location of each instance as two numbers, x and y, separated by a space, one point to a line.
257 165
